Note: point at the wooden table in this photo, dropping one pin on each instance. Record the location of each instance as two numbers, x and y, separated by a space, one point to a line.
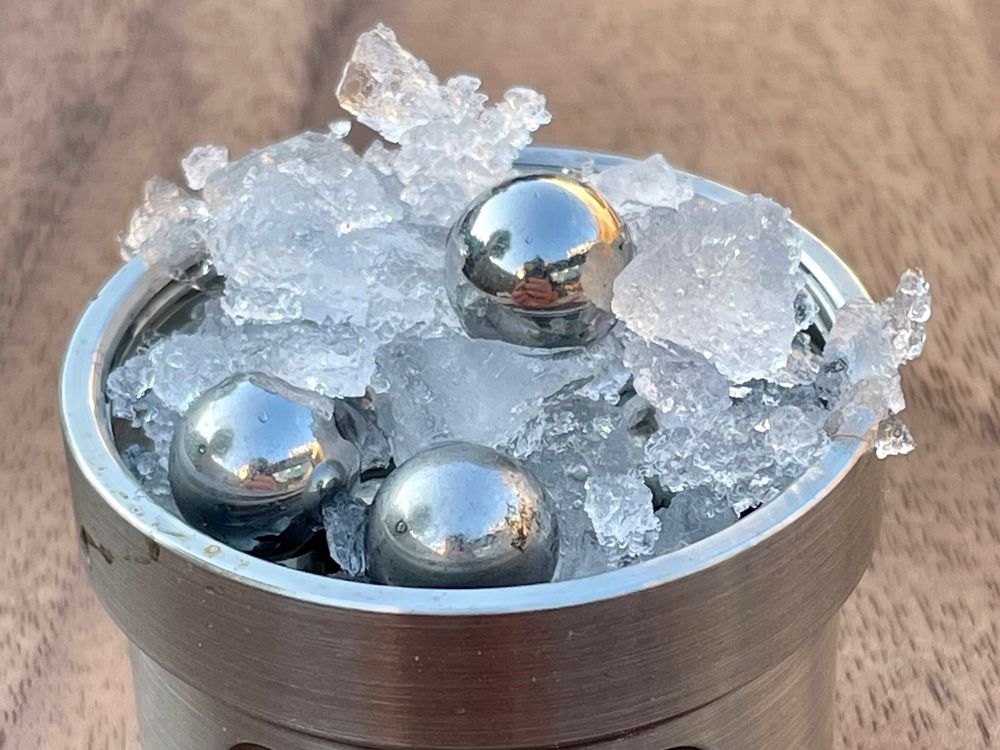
877 122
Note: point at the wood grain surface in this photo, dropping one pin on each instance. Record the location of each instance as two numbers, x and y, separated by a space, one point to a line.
876 122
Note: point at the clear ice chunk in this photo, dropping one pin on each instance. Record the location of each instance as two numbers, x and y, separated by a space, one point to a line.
634 188
859 407
201 162
432 390
861 339
387 88
169 229
603 368
875 338
340 128
683 386
795 435
147 457
580 450
803 364
620 507
305 230
451 145
294 231
180 367
376 453
893 438
747 454
721 280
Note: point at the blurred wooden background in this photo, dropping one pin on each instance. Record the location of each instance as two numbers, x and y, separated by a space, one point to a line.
877 122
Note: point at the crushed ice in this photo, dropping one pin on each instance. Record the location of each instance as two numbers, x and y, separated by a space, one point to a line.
709 398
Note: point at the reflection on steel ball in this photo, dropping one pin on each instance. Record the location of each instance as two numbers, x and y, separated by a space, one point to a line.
252 459
533 260
461 516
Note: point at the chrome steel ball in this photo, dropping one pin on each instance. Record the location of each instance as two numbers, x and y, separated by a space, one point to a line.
533 260
252 459
461 516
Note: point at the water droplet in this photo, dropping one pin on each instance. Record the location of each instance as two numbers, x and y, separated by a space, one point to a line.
401 527
262 417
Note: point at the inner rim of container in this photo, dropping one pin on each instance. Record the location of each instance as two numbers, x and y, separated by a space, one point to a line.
134 296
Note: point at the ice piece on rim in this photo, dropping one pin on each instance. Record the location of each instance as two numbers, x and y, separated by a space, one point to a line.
859 407
202 161
907 313
875 338
868 343
169 229
861 340
148 458
634 188
451 145
289 230
893 438
721 280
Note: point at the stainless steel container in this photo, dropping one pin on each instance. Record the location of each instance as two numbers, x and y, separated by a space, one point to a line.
729 644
